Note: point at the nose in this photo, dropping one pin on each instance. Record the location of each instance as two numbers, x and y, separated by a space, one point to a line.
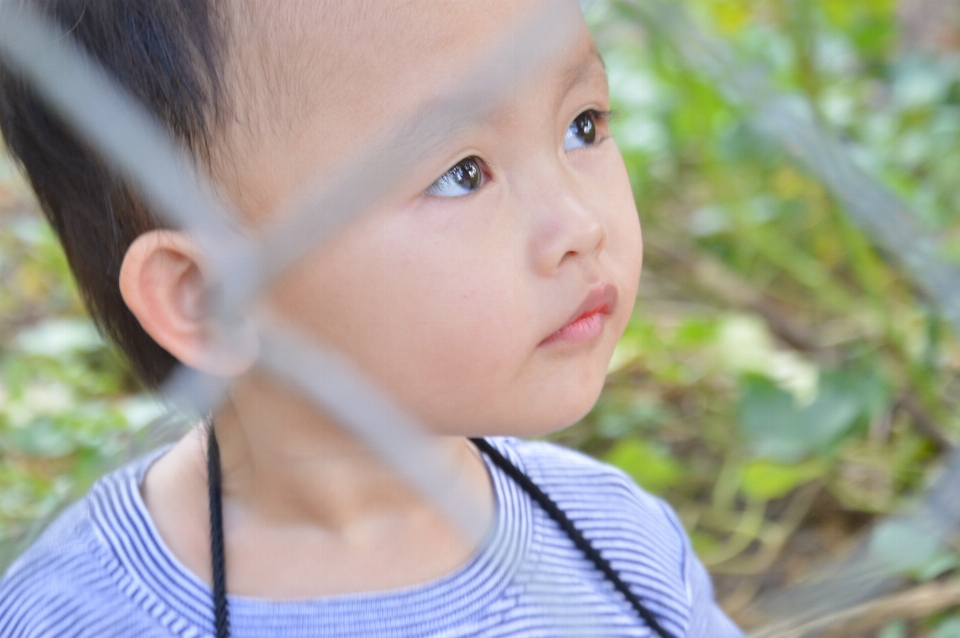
566 229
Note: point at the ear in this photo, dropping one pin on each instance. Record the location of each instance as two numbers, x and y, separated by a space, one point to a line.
163 283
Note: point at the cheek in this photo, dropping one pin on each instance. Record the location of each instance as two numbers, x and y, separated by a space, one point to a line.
438 323
572 386
625 241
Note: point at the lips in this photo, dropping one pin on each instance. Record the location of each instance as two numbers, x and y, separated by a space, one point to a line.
586 322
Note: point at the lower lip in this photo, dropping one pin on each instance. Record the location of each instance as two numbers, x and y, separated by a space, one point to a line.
583 330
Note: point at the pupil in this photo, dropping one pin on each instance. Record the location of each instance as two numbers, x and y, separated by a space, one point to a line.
586 128
467 174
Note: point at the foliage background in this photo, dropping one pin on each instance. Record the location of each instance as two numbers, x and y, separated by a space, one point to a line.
781 384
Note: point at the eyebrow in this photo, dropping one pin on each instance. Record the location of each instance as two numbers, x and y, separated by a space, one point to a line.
582 71
574 75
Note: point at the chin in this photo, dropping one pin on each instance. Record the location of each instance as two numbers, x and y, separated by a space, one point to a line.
538 417
564 411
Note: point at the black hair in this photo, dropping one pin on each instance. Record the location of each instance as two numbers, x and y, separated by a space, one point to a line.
169 54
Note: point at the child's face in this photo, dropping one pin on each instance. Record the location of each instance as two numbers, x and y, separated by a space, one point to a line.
488 302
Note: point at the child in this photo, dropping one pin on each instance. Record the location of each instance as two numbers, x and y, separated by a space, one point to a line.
485 295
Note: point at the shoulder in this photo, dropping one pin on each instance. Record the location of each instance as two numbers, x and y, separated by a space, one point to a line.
632 528
587 484
44 579
637 532
67 583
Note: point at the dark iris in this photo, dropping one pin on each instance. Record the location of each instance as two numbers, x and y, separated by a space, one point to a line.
466 174
463 179
585 128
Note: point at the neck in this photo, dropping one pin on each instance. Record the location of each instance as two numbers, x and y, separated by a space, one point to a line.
284 462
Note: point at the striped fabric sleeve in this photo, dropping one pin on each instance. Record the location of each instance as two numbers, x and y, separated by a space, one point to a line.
63 587
706 617
639 532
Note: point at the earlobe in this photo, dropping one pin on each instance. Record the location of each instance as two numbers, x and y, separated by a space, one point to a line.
162 281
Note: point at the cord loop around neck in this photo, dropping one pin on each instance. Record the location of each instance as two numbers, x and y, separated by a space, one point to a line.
220 608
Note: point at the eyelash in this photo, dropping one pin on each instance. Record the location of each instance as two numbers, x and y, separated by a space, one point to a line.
601 116
471 167
474 167
582 131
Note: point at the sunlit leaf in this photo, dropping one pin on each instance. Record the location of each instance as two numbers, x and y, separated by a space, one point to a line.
60 337
652 467
777 428
41 438
763 480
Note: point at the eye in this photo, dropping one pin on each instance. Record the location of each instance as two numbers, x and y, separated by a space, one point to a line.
583 130
463 179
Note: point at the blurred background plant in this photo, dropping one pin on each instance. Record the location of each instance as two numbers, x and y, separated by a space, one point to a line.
67 399
782 383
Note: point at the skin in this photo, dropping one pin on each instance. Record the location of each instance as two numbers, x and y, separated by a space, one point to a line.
445 302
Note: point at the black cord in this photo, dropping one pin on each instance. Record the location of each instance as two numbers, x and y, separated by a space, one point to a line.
584 545
222 614
220 610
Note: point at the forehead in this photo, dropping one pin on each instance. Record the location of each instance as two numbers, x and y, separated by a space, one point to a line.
334 45
318 79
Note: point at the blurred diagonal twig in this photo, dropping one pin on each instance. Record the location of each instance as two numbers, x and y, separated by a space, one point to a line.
918 602
727 287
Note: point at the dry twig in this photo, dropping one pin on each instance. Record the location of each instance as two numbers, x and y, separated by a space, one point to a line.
918 602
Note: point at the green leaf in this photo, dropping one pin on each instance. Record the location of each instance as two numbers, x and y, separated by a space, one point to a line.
704 543
764 480
894 630
777 428
60 337
649 465
627 351
949 628
904 545
617 421
941 563
42 438
696 332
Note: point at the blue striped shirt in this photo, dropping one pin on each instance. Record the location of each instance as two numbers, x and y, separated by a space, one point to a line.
101 569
